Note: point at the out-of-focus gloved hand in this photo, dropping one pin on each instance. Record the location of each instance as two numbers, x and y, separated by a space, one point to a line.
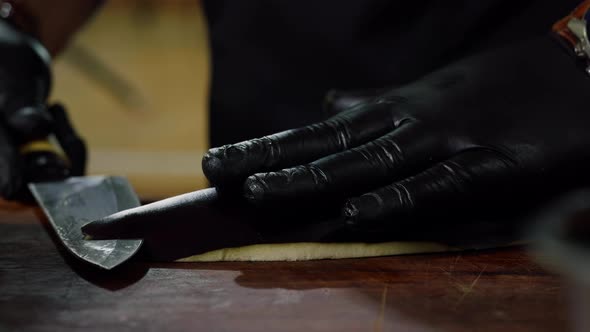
25 81
484 133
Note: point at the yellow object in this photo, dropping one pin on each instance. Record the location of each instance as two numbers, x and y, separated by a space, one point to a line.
313 251
42 146
305 251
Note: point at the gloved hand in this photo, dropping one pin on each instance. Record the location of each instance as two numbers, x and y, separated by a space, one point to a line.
487 134
483 134
25 81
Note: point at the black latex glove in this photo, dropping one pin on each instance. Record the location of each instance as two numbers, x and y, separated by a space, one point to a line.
483 134
476 139
25 81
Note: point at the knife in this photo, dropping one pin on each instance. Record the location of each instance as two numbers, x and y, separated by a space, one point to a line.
76 201
70 202
50 152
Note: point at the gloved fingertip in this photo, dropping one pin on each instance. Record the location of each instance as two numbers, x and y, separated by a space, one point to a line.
350 212
254 189
100 229
212 166
29 123
90 228
362 210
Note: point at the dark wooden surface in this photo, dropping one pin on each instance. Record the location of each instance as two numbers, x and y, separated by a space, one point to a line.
43 289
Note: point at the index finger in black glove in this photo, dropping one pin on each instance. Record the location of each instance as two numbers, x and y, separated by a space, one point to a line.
390 157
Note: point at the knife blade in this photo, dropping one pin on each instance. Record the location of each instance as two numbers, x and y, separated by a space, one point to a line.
76 201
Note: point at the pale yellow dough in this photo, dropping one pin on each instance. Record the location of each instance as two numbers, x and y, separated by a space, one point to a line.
312 251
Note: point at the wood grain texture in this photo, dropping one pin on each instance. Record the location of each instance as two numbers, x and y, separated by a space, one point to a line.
41 289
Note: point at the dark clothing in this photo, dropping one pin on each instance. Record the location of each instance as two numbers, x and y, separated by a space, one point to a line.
274 60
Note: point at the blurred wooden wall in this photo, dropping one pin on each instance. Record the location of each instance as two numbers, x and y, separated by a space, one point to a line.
135 82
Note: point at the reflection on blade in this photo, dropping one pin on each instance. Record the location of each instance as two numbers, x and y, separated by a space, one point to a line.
72 203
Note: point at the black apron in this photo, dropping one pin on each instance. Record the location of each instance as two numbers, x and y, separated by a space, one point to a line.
274 60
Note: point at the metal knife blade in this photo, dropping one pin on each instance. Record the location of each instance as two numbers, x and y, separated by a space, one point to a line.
76 201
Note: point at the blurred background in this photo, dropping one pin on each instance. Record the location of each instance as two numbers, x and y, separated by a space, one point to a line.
135 83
